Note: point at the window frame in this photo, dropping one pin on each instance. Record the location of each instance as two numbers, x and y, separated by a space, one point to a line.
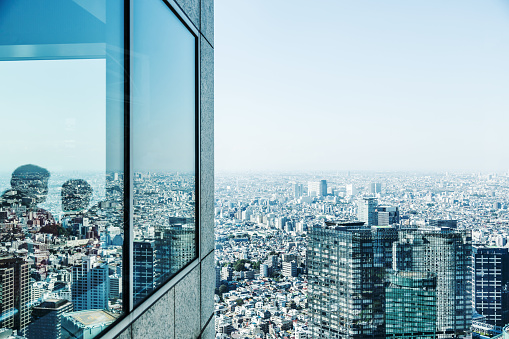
130 311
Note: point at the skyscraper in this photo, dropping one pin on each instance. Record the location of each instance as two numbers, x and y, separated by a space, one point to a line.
175 247
47 319
298 191
347 263
90 285
444 253
375 188
362 280
144 262
15 293
366 211
411 305
317 188
490 283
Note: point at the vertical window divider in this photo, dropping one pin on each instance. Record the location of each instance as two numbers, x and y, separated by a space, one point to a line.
127 274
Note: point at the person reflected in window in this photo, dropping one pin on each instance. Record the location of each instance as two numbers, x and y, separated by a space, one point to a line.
76 196
29 187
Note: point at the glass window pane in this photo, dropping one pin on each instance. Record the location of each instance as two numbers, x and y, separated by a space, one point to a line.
163 93
61 174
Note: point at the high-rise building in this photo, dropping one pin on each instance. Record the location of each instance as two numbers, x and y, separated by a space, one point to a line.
90 285
347 264
218 276
298 191
144 263
350 190
175 247
7 297
289 269
226 273
387 215
116 286
350 266
47 319
15 293
490 283
366 211
445 253
411 305
375 188
317 188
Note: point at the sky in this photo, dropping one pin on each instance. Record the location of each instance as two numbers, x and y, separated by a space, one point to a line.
54 114
361 85
67 114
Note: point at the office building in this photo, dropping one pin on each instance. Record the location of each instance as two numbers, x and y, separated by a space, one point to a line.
411 305
144 277
218 276
15 293
350 190
90 285
387 215
347 264
317 188
47 319
289 269
362 279
490 284
445 253
375 188
115 287
366 211
298 190
174 246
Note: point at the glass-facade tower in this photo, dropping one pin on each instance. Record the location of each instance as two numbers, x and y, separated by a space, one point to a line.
378 282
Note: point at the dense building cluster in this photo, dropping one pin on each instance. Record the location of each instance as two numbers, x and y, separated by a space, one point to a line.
61 255
341 255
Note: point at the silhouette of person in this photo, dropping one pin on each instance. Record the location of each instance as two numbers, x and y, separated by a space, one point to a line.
29 186
76 195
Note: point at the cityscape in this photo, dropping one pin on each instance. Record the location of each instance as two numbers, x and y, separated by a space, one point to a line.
199 169
362 255
62 247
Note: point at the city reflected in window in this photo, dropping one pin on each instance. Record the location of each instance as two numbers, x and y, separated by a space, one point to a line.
163 91
61 174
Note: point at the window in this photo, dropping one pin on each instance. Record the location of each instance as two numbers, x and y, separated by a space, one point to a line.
98 178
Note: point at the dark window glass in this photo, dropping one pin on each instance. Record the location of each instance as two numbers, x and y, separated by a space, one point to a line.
163 93
61 168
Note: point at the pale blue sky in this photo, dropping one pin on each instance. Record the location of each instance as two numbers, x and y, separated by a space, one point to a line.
362 85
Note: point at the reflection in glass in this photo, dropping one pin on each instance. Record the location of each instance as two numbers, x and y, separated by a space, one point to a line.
163 138
61 174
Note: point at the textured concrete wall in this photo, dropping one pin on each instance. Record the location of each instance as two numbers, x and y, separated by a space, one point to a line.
186 310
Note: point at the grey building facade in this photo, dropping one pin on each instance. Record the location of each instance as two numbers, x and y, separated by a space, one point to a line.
183 307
